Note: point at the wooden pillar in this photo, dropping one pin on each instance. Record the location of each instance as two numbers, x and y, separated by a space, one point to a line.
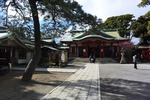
103 49
100 50
76 51
69 48
119 50
86 50
111 49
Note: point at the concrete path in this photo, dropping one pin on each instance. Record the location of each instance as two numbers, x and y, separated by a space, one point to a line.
82 85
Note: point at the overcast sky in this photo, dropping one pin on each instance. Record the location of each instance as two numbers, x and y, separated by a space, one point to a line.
108 8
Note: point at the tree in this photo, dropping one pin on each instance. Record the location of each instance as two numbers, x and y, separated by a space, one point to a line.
122 23
148 27
141 28
144 3
54 11
144 28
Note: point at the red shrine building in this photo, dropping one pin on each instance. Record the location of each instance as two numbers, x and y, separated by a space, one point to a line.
104 43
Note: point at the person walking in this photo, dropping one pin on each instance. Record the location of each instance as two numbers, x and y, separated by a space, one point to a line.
134 61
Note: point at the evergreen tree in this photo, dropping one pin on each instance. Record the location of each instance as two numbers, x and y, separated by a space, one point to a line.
141 28
122 23
144 3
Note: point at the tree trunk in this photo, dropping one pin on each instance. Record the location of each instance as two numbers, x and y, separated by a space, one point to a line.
27 76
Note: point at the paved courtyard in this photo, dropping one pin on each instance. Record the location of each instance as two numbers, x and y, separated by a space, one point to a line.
109 81
123 82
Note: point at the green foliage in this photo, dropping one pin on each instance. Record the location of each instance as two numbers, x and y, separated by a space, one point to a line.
141 27
122 23
144 3
148 27
21 32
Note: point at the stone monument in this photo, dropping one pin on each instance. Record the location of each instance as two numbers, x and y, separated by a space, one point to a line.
122 61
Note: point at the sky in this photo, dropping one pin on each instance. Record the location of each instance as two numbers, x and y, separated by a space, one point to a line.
108 8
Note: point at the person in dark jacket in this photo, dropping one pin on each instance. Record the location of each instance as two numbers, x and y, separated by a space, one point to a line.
134 61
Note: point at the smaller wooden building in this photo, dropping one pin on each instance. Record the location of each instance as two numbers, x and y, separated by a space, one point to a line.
52 53
12 50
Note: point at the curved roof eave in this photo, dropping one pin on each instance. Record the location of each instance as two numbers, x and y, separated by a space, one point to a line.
121 39
93 36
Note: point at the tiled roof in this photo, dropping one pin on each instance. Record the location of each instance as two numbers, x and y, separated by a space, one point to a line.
113 35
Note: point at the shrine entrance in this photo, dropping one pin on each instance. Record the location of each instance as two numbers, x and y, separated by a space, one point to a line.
107 51
80 52
94 50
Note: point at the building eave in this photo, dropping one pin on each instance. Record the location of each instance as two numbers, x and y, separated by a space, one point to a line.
93 36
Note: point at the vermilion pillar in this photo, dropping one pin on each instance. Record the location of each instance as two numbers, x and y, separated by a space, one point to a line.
100 50
103 49
111 49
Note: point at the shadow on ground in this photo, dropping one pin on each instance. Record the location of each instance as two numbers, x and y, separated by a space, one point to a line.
80 90
11 88
120 89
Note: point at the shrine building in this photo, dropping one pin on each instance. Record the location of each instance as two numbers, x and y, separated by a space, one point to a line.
104 43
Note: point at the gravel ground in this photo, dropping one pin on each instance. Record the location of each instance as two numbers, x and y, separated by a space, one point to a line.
11 88
123 82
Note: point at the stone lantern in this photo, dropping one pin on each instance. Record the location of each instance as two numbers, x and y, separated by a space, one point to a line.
122 61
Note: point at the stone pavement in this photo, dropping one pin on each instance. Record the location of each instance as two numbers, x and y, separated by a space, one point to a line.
82 85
